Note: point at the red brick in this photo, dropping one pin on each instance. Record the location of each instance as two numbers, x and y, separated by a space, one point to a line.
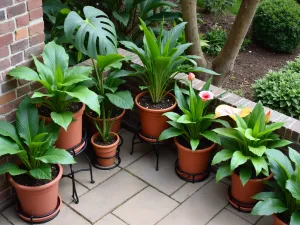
27 63
11 116
2 15
23 90
36 28
35 85
16 10
6 40
4 185
5 194
22 20
33 4
36 13
35 50
20 1
37 39
7 97
19 46
4 64
9 107
5 3
21 33
7 27
4 51
17 58
9 86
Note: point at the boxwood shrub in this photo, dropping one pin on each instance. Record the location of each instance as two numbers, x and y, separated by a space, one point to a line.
276 25
280 90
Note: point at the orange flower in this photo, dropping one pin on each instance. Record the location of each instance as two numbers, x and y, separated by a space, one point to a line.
226 110
268 116
191 76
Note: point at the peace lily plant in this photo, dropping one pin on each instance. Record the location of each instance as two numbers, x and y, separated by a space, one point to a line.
284 199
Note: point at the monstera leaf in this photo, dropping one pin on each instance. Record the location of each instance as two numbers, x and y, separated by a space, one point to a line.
94 35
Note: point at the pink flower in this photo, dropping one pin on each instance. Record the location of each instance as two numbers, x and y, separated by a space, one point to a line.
191 76
206 95
267 117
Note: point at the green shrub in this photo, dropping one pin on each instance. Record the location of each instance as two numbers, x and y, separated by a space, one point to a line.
218 6
294 65
216 39
280 90
276 25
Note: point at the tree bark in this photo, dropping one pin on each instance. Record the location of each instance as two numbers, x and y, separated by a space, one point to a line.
189 11
224 62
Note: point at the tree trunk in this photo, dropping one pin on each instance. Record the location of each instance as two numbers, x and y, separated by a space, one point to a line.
224 62
189 11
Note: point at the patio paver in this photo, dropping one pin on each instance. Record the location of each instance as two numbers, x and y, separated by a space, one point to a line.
65 190
227 217
3 221
267 220
246 216
110 220
146 208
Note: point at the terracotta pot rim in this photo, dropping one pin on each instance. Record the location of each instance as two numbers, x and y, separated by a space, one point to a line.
38 188
197 151
276 217
154 110
75 115
105 146
110 119
257 180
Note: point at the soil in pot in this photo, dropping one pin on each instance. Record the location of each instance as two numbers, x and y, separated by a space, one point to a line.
105 151
115 118
72 137
194 162
153 123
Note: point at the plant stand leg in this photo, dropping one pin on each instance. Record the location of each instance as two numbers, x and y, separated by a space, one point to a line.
90 167
74 195
156 151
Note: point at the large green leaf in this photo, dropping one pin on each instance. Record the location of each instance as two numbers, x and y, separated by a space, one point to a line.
172 35
194 143
294 188
248 134
185 119
279 144
55 56
43 172
8 148
95 35
262 196
172 116
169 133
45 73
223 171
270 128
268 207
182 104
212 136
258 109
24 73
295 218
221 156
122 18
27 120
294 156
259 163
11 168
238 158
121 99
74 79
37 94
167 16
8 130
259 151
107 60
245 175
228 132
57 156
62 119
79 70
86 96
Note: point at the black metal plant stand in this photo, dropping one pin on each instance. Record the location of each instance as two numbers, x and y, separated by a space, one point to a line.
240 206
116 156
71 175
191 177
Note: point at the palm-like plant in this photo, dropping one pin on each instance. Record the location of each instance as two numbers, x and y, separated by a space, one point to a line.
162 59
63 85
285 199
32 142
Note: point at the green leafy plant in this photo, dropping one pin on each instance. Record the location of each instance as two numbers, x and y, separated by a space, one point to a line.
162 59
285 197
274 16
280 91
216 39
246 144
246 43
194 123
32 142
218 6
63 85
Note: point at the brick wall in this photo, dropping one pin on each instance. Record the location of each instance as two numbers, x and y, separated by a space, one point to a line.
21 35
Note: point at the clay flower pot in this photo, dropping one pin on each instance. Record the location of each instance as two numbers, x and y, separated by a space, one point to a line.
115 127
193 162
278 221
73 135
153 123
244 194
40 200
105 151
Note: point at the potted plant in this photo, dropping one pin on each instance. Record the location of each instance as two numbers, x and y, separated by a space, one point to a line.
244 151
102 49
162 59
65 96
191 130
284 199
36 177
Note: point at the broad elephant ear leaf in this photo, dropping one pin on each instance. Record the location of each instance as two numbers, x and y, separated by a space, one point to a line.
94 35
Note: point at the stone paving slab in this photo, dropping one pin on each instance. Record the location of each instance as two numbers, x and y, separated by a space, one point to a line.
267 220
108 195
65 190
3 221
246 216
165 179
110 220
227 217
146 208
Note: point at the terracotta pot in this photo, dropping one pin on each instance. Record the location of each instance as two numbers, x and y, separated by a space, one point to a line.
105 151
73 135
244 193
114 128
278 221
40 200
153 123
193 162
